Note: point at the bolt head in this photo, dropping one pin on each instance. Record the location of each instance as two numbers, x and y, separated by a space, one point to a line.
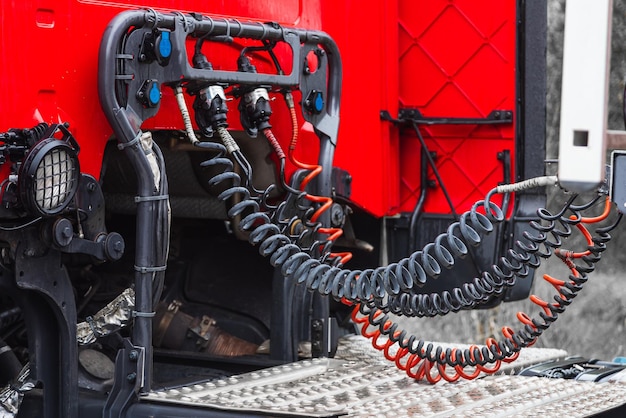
131 377
336 215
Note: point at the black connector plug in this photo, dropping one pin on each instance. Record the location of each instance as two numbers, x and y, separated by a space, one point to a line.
209 106
254 106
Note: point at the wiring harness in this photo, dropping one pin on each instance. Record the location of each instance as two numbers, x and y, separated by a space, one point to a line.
289 235
395 288
427 361
292 245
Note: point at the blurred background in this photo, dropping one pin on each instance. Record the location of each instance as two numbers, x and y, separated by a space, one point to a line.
595 324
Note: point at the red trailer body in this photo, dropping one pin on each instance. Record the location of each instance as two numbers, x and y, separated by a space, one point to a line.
444 59
64 87
142 144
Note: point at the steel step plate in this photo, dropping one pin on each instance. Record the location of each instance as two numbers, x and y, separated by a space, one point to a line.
360 382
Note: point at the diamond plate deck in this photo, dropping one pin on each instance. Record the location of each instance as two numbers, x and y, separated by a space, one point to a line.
359 382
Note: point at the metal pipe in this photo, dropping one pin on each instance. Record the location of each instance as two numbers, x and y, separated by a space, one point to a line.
417 210
126 130
126 123
10 366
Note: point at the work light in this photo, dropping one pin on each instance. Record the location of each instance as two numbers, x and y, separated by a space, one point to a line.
49 177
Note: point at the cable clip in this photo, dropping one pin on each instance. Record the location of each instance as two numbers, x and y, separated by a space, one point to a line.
139 199
92 325
123 145
151 269
136 314
187 26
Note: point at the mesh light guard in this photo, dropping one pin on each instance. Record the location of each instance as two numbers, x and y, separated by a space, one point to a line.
49 177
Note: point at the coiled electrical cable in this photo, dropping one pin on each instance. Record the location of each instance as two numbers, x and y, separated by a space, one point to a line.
391 289
369 288
479 290
325 202
425 360
373 286
304 237
395 288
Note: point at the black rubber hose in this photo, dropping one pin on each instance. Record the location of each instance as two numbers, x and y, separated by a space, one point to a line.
10 317
10 366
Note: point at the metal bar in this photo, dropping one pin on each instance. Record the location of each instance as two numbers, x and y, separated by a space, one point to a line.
531 81
281 344
126 128
496 117
419 205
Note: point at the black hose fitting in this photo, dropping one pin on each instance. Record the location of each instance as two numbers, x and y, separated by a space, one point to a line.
254 106
209 106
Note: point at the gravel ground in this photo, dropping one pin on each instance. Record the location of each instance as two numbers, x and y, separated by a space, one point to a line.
594 324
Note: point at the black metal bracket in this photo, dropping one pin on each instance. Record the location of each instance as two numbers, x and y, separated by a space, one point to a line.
128 375
407 115
341 182
122 73
41 286
618 179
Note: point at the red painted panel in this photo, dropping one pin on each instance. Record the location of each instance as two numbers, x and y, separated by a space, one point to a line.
366 34
453 59
447 58
285 11
457 58
49 54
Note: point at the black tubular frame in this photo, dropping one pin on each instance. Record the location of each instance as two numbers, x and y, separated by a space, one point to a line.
126 115
532 27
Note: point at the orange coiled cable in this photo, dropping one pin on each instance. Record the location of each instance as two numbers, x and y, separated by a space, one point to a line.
419 362
418 367
314 171
564 254
567 258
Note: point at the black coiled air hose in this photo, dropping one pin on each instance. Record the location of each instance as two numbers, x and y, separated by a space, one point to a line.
370 288
516 265
533 328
